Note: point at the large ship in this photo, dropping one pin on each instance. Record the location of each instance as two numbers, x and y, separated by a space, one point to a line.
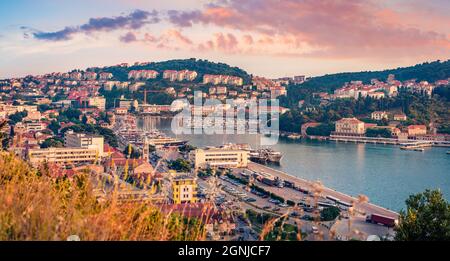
164 141
266 156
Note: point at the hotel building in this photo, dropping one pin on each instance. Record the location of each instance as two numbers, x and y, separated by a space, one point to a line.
350 126
219 157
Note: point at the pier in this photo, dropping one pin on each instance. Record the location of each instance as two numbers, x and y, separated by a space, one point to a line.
363 208
405 144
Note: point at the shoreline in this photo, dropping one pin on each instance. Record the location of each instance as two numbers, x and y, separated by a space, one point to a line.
365 206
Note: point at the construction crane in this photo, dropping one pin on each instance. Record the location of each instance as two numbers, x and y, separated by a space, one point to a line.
145 91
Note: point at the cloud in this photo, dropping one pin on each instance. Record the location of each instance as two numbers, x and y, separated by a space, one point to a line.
341 28
128 37
170 39
135 20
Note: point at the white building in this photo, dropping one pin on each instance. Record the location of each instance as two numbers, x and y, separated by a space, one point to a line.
219 157
81 140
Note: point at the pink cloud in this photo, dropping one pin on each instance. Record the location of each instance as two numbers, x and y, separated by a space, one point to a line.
338 28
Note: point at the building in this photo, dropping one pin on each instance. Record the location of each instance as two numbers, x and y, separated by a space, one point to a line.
142 74
414 130
183 189
62 155
183 75
99 102
379 115
121 111
81 140
276 91
154 108
35 126
105 76
221 90
222 79
299 79
400 117
350 126
219 157
125 103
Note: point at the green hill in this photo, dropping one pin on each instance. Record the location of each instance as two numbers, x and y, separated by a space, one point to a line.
429 71
200 66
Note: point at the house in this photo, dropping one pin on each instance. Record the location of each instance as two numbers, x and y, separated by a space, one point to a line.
414 130
400 117
379 115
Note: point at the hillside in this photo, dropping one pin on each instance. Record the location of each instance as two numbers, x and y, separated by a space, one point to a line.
431 72
200 66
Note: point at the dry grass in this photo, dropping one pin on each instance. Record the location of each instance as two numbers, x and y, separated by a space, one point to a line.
35 206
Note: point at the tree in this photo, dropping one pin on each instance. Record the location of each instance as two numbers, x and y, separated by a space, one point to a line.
17 117
329 214
84 120
384 133
131 152
54 126
4 139
427 217
52 143
180 165
321 130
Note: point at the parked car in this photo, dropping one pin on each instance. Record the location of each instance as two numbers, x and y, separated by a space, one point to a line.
315 230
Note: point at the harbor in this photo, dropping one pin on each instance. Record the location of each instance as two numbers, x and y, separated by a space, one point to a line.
350 167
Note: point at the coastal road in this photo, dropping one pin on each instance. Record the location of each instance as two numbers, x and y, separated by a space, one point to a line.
361 206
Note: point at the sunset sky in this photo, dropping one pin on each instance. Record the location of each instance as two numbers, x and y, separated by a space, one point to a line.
265 37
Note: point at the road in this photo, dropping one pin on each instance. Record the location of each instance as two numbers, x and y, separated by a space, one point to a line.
361 206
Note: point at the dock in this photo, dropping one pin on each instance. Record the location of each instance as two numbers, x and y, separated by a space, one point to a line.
362 207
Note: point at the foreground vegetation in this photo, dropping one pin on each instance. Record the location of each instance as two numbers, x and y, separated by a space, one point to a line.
35 205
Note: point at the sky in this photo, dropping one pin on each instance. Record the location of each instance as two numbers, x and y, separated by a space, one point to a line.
271 38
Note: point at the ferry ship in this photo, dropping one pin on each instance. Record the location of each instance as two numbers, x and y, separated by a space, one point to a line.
163 141
266 156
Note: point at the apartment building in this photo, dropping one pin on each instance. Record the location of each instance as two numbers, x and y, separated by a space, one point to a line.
81 140
98 102
219 157
62 155
183 189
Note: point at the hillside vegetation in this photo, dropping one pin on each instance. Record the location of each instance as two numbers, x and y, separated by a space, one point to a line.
36 206
202 67
429 71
